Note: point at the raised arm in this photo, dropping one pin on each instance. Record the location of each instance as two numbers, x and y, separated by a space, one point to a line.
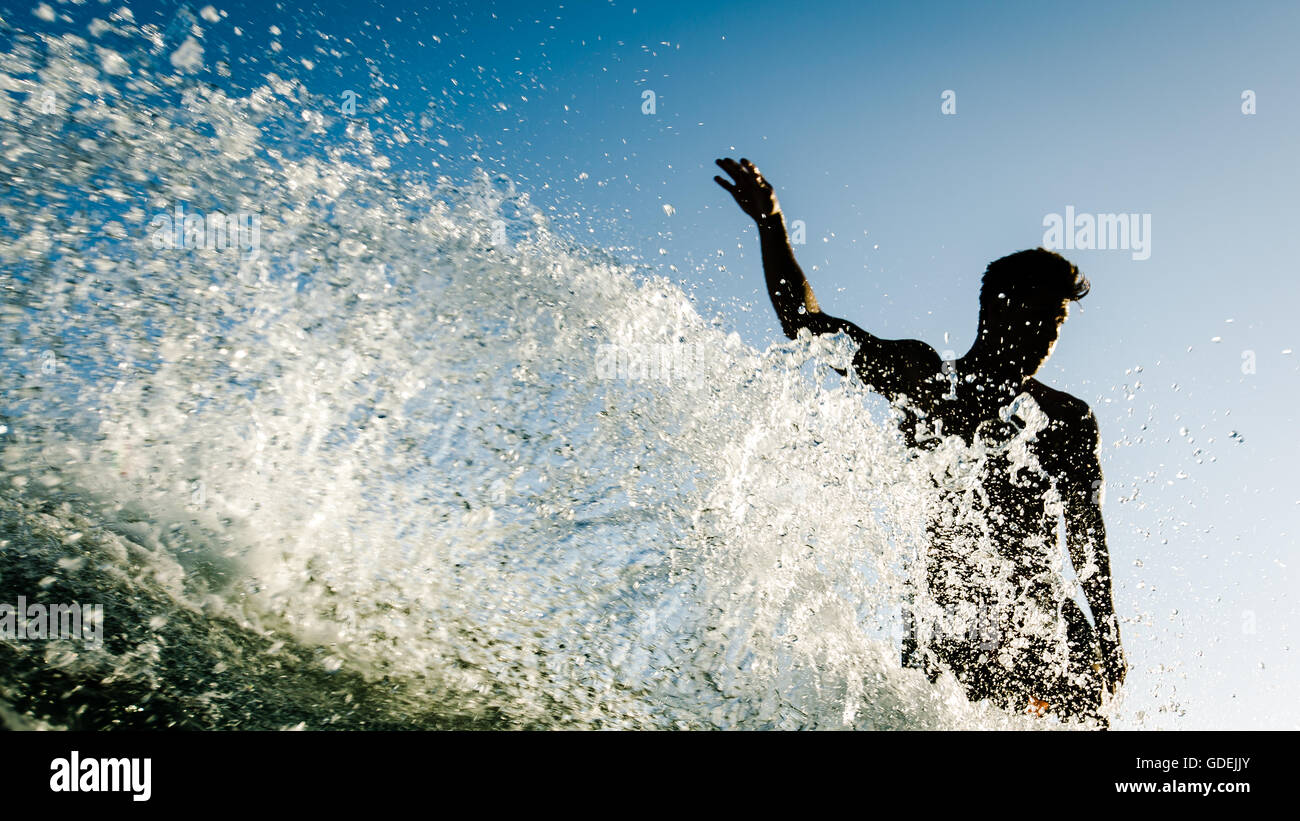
792 295
891 366
1085 536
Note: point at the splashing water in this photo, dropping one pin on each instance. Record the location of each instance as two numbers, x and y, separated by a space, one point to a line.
383 453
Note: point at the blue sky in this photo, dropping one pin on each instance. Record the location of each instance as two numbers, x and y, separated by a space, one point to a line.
1106 107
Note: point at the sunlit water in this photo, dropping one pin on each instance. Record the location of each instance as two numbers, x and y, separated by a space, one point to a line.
414 460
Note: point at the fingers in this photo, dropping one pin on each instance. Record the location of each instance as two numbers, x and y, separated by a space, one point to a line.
737 170
732 168
757 175
746 175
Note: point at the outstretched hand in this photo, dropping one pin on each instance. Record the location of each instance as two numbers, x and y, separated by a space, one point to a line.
753 194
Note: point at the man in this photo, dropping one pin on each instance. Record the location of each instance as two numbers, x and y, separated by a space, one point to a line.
1019 638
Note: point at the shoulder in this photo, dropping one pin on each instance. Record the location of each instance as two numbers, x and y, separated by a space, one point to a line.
897 366
1059 405
893 365
914 352
1069 414
1073 441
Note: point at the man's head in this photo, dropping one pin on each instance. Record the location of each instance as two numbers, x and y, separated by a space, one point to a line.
1024 301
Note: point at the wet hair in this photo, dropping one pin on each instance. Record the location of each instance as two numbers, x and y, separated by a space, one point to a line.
1033 278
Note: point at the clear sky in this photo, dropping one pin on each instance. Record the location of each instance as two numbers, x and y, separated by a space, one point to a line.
1105 107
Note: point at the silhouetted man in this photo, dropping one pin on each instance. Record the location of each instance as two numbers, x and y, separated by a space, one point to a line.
992 542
